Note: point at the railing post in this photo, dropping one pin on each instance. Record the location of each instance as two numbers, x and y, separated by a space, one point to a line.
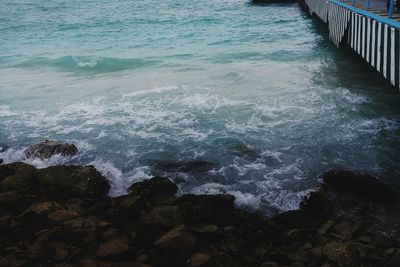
391 8
369 2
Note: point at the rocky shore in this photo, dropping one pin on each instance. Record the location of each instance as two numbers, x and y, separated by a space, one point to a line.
62 216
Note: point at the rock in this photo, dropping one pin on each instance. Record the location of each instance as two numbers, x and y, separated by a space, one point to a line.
59 250
17 176
73 181
89 222
111 233
325 227
360 184
48 148
93 263
42 208
62 215
319 202
341 254
199 260
194 166
168 216
214 209
112 248
156 187
203 228
179 239
269 264
1 161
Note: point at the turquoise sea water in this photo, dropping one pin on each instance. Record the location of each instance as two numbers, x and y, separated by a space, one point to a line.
259 92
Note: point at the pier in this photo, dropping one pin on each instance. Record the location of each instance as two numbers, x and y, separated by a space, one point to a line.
366 27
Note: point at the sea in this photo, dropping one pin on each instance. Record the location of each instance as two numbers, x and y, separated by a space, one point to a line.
220 96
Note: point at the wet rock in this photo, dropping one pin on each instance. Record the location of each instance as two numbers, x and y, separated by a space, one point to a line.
89 222
325 227
156 187
62 215
49 148
194 166
203 228
72 181
112 248
359 184
212 209
42 208
168 216
17 176
179 239
341 254
199 260
59 250
319 202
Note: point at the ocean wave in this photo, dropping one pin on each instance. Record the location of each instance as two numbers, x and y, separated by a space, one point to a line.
11 155
87 64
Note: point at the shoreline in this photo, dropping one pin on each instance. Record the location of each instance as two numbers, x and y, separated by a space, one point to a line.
62 216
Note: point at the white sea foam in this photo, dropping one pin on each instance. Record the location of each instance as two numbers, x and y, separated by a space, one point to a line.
119 181
17 155
5 111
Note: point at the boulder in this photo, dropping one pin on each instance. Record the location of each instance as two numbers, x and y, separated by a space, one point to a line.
200 260
341 253
62 215
178 240
359 184
73 181
48 148
193 166
157 187
41 208
168 216
318 202
17 176
112 248
215 209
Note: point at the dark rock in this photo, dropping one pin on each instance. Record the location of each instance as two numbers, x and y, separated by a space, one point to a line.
1 161
168 216
62 215
42 208
112 248
157 187
195 166
17 176
359 184
318 202
178 240
49 148
208 208
89 222
69 181
341 253
199 260
203 228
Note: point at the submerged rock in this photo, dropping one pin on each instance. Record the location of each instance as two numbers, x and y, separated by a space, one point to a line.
48 148
193 166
